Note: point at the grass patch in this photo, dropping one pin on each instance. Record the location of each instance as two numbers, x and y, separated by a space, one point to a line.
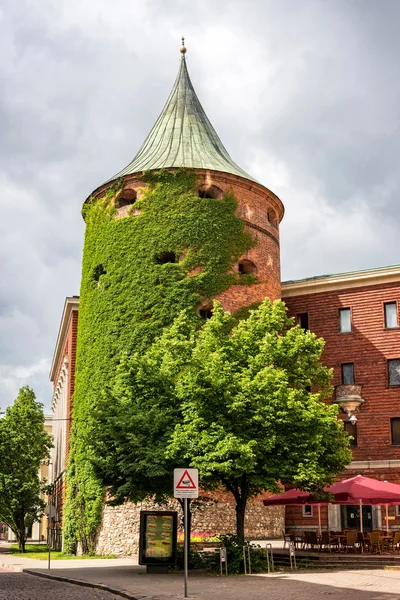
41 552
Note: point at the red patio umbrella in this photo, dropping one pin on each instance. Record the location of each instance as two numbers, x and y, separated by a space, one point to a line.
296 497
365 490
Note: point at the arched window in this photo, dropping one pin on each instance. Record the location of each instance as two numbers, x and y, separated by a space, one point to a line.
210 191
165 257
271 217
247 267
128 196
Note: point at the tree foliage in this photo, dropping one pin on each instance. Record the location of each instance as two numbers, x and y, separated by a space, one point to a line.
231 399
24 445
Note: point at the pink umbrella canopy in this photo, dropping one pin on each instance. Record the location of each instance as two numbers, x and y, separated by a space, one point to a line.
366 490
296 497
292 497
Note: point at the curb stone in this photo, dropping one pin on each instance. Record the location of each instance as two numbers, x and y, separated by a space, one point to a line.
100 586
11 567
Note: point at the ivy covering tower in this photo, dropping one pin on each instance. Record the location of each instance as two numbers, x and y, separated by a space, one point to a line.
180 226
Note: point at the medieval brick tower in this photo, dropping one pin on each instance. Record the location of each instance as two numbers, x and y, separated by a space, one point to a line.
184 137
180 226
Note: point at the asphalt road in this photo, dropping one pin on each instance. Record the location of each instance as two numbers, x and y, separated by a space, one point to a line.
21 586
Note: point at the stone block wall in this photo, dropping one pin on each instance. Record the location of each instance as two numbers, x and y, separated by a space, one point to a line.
119 533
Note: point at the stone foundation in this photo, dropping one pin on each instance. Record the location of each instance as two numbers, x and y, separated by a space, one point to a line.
119 533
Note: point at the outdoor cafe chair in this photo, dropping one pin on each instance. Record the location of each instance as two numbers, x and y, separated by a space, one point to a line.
329 541
286 538
295 539
311 540
363 542
395 545
375 542
351 541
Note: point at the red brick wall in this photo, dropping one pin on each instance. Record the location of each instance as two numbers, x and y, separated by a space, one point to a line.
369 346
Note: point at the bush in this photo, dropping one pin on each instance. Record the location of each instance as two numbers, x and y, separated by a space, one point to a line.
234 549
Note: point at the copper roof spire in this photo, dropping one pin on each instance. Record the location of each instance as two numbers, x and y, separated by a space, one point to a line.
182 135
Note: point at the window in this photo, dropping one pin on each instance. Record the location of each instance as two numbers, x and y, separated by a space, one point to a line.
247 267
397 511
127 197
165 257
302 320
345 320
98 272
271 217
394 371
351 429
347 373
391 315
395 424
211 191
307 510
206 311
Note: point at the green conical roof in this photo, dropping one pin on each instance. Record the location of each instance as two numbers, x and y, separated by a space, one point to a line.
183 136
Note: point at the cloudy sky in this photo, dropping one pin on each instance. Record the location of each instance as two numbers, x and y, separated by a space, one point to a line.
305 95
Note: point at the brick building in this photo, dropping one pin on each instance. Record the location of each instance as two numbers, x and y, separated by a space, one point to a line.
356 313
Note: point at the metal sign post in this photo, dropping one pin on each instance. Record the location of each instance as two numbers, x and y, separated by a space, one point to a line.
186 485
223 560
48 533
292 555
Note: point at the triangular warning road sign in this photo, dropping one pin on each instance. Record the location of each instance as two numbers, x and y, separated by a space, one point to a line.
186 482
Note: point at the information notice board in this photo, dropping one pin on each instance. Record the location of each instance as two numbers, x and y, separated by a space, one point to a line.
158 537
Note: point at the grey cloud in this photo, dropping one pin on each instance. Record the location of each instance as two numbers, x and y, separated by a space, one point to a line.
304 95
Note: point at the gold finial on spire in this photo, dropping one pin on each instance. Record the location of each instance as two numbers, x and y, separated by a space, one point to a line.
183 48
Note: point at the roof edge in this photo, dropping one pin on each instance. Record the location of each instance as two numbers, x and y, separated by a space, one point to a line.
71 303
351 279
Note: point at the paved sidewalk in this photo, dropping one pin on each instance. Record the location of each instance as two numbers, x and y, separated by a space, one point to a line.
362 585
129 579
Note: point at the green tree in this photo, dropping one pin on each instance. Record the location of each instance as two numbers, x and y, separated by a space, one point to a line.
24 445
231 399
249 419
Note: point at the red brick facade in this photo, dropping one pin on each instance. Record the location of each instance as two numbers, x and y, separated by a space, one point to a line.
63 377
369 346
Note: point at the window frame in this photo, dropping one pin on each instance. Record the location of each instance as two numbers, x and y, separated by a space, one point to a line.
298 316
303 510
391 431
388 360
354 373
354 434
385 304
341 309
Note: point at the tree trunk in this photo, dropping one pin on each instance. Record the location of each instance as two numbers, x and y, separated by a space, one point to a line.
240 493
240 513
20 535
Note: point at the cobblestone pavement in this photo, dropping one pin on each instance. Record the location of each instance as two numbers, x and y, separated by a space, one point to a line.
310 585
21 586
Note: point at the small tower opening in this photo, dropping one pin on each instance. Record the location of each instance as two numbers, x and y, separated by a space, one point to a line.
247 267
98 272
127 197
210 191
271 217
165 257
206 312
